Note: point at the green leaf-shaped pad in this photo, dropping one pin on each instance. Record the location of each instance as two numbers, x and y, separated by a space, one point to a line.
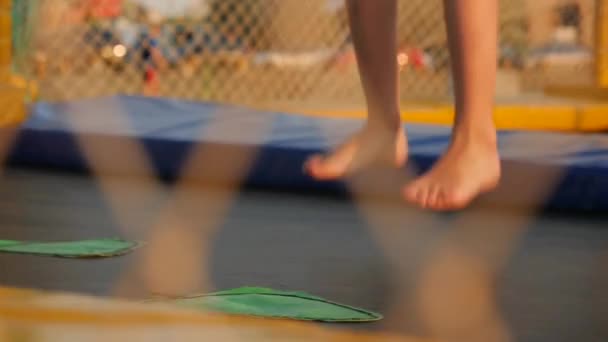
263 302
71 249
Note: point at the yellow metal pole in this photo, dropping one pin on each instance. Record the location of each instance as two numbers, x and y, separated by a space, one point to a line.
601 48
12 99
5 39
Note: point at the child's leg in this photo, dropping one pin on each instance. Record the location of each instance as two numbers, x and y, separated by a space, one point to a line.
374 30
471 164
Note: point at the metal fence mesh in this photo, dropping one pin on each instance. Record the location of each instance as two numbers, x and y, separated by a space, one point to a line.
259 52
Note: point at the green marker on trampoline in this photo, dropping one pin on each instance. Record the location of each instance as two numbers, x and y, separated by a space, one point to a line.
248 301
269 303
101 248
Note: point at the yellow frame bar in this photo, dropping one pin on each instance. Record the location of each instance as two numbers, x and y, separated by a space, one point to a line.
601 48
565 118
12 99
5 39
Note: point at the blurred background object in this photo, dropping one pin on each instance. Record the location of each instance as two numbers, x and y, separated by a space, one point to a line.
284 53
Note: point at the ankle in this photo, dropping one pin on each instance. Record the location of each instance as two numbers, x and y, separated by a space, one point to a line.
386 124
483 135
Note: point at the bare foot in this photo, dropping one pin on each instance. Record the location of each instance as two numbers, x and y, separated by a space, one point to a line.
470 167
370 146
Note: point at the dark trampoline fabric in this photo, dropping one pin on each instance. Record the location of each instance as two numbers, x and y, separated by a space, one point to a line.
264 302
70 249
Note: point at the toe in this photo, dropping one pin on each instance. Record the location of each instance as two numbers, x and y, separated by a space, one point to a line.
411 192
312 164
423 193
432 197
457 199
421 196
320 168
440 202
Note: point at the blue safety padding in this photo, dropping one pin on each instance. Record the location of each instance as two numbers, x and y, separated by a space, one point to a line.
168 130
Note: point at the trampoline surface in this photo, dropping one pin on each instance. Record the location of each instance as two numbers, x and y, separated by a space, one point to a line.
512 271
546 273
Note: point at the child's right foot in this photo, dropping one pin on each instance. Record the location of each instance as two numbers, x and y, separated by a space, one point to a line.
368 147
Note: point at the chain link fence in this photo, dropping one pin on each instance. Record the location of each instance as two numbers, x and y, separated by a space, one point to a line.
265 52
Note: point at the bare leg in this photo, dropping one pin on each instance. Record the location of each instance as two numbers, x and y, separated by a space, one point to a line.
471 165
382 139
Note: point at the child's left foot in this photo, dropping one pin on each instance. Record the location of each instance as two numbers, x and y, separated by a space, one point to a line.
470 167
